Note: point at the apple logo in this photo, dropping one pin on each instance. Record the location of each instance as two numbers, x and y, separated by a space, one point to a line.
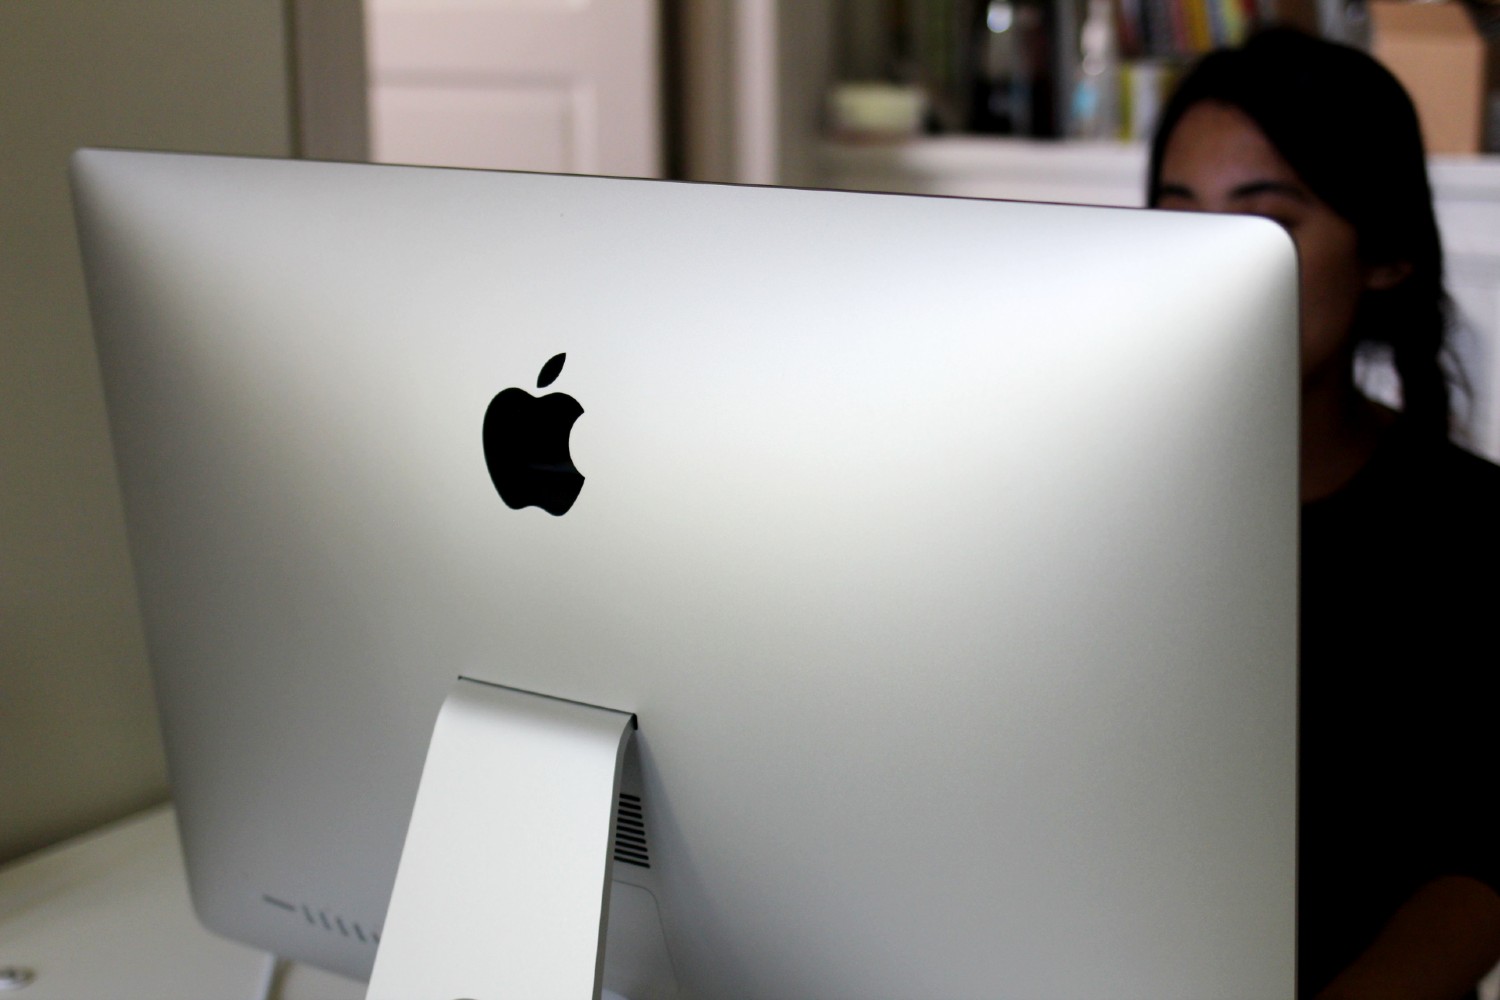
526 445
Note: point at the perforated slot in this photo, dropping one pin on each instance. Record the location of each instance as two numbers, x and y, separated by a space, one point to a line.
323 920
630 832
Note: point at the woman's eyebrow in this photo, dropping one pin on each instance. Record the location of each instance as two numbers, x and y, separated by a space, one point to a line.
1174 190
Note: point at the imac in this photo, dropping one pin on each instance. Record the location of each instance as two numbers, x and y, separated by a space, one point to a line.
936 560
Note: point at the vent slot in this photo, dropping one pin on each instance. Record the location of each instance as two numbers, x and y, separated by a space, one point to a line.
630 832
323 920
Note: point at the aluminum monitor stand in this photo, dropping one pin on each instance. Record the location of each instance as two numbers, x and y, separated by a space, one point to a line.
503 885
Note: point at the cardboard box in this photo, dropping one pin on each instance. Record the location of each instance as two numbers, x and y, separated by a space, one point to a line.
1439 56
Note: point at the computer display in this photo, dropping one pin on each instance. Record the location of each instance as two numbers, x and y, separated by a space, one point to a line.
943 551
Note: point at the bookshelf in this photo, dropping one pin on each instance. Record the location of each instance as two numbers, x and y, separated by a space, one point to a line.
1184 28
1041 68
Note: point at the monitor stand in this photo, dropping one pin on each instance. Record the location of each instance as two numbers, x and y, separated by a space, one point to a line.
510 841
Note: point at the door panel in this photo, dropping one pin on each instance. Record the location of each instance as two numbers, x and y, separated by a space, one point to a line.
562 86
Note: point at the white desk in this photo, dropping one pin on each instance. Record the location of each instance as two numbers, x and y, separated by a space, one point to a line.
107 917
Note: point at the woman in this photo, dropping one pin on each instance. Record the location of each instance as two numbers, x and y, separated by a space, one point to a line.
1399 861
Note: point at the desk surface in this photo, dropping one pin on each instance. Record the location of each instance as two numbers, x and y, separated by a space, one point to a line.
107 917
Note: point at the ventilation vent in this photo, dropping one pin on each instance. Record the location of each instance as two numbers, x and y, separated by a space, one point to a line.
630 832
330 922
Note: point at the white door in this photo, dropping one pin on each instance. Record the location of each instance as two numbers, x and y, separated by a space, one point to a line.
571 86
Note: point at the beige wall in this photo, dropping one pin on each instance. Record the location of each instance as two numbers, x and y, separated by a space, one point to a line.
78 744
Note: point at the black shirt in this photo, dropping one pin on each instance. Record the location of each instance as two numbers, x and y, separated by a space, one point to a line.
1399 693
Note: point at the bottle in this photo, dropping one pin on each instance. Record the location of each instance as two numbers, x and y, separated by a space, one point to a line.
1014 83
992 108
1095 112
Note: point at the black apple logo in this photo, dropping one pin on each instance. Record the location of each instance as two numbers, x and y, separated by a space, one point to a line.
526 445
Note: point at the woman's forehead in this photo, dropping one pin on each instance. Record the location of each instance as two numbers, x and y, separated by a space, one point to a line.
1218 144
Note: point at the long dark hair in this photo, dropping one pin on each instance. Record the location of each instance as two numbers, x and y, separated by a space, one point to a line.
1349 130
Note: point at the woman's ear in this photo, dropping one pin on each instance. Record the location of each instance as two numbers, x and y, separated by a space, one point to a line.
1383 277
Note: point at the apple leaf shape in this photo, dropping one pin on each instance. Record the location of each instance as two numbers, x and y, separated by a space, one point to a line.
551 370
